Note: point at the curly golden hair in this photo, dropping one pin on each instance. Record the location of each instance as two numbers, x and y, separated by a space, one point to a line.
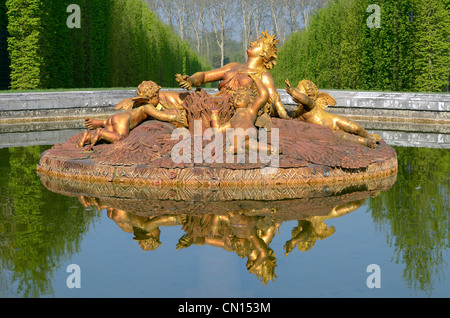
270 50
148 89
310 88
322 99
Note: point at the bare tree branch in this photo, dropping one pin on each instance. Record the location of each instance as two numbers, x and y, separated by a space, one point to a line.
246 9
221 16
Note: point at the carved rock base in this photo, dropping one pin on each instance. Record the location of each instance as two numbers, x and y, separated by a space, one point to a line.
311 154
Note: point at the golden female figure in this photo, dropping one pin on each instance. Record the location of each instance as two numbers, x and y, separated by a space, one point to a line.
262 54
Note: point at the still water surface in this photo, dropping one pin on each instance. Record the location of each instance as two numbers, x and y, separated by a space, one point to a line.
404 231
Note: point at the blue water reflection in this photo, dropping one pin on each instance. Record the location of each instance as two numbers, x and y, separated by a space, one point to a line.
404 230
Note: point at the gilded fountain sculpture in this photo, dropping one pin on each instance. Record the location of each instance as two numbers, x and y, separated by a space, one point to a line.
236 162
144 141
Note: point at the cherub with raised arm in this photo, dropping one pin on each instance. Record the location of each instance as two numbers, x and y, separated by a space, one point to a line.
247 105
311 108
118 126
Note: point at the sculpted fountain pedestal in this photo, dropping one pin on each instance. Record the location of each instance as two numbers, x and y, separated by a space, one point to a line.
310 154
180 139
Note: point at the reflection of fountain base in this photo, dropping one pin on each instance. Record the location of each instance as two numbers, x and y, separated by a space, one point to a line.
312 154
289 202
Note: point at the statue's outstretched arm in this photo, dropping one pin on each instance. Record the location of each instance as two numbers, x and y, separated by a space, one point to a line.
299 98
200 78
151 111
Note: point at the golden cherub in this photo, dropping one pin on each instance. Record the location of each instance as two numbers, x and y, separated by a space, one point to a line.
311 108
247 105
118 126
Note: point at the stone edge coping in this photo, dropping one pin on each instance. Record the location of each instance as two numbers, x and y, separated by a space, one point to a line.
71 99
71 105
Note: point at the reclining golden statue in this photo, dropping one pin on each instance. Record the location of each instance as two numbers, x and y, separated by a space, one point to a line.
311 105
136 110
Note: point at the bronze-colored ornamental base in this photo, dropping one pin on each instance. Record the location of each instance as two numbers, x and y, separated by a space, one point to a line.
311 154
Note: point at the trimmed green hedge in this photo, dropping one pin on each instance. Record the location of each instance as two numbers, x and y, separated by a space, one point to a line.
340 51
119 44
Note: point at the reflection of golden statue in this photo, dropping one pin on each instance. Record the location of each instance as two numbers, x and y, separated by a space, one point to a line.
118 126
247 107
306 233
248 232
247 236
309 230
145 229
311 105
262 54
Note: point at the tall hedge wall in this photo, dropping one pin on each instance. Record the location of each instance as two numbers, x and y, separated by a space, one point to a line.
343 49
119 44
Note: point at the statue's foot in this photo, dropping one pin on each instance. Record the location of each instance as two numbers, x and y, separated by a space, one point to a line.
375 137
371 143
90 123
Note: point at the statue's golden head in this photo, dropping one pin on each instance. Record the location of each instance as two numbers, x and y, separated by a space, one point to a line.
148 89
270 50
308 88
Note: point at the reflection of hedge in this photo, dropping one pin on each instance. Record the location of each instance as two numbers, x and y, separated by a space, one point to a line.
40 230
415 214
340 51
120 43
